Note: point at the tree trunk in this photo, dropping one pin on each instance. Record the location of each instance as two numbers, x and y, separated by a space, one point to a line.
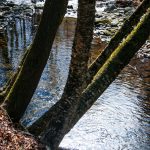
27 80
60 114
116 40
113 66
105 76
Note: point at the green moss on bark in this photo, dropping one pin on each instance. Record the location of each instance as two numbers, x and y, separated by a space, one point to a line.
30 72
117 39
113 66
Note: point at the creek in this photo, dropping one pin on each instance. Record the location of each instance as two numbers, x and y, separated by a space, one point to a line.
119 119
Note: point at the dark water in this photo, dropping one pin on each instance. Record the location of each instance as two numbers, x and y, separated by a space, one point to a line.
119 120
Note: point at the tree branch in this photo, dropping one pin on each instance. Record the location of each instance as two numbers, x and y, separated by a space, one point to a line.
118 37
113 66
56 119
29 75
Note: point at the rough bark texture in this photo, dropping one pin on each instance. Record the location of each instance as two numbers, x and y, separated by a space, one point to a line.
23 89
116 40
113 66
60 114
119 59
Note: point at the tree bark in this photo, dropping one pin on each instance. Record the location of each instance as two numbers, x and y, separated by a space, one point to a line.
59 116
107 74
38 126
113 66
116 40
27 80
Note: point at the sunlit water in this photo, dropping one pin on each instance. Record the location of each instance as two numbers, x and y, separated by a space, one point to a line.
120 118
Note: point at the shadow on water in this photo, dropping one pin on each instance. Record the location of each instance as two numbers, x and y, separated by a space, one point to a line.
119 119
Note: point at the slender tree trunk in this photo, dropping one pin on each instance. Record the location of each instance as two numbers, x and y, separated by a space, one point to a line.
59 116
27 80
116 40
105 76
38 126
113 66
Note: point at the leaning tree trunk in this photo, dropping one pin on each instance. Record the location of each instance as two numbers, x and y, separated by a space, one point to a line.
116 40
113 66
27 80
106 75
127 27
60 114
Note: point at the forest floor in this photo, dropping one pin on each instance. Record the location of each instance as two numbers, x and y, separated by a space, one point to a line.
12 138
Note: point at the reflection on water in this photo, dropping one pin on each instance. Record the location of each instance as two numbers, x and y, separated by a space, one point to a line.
120 118
55 74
